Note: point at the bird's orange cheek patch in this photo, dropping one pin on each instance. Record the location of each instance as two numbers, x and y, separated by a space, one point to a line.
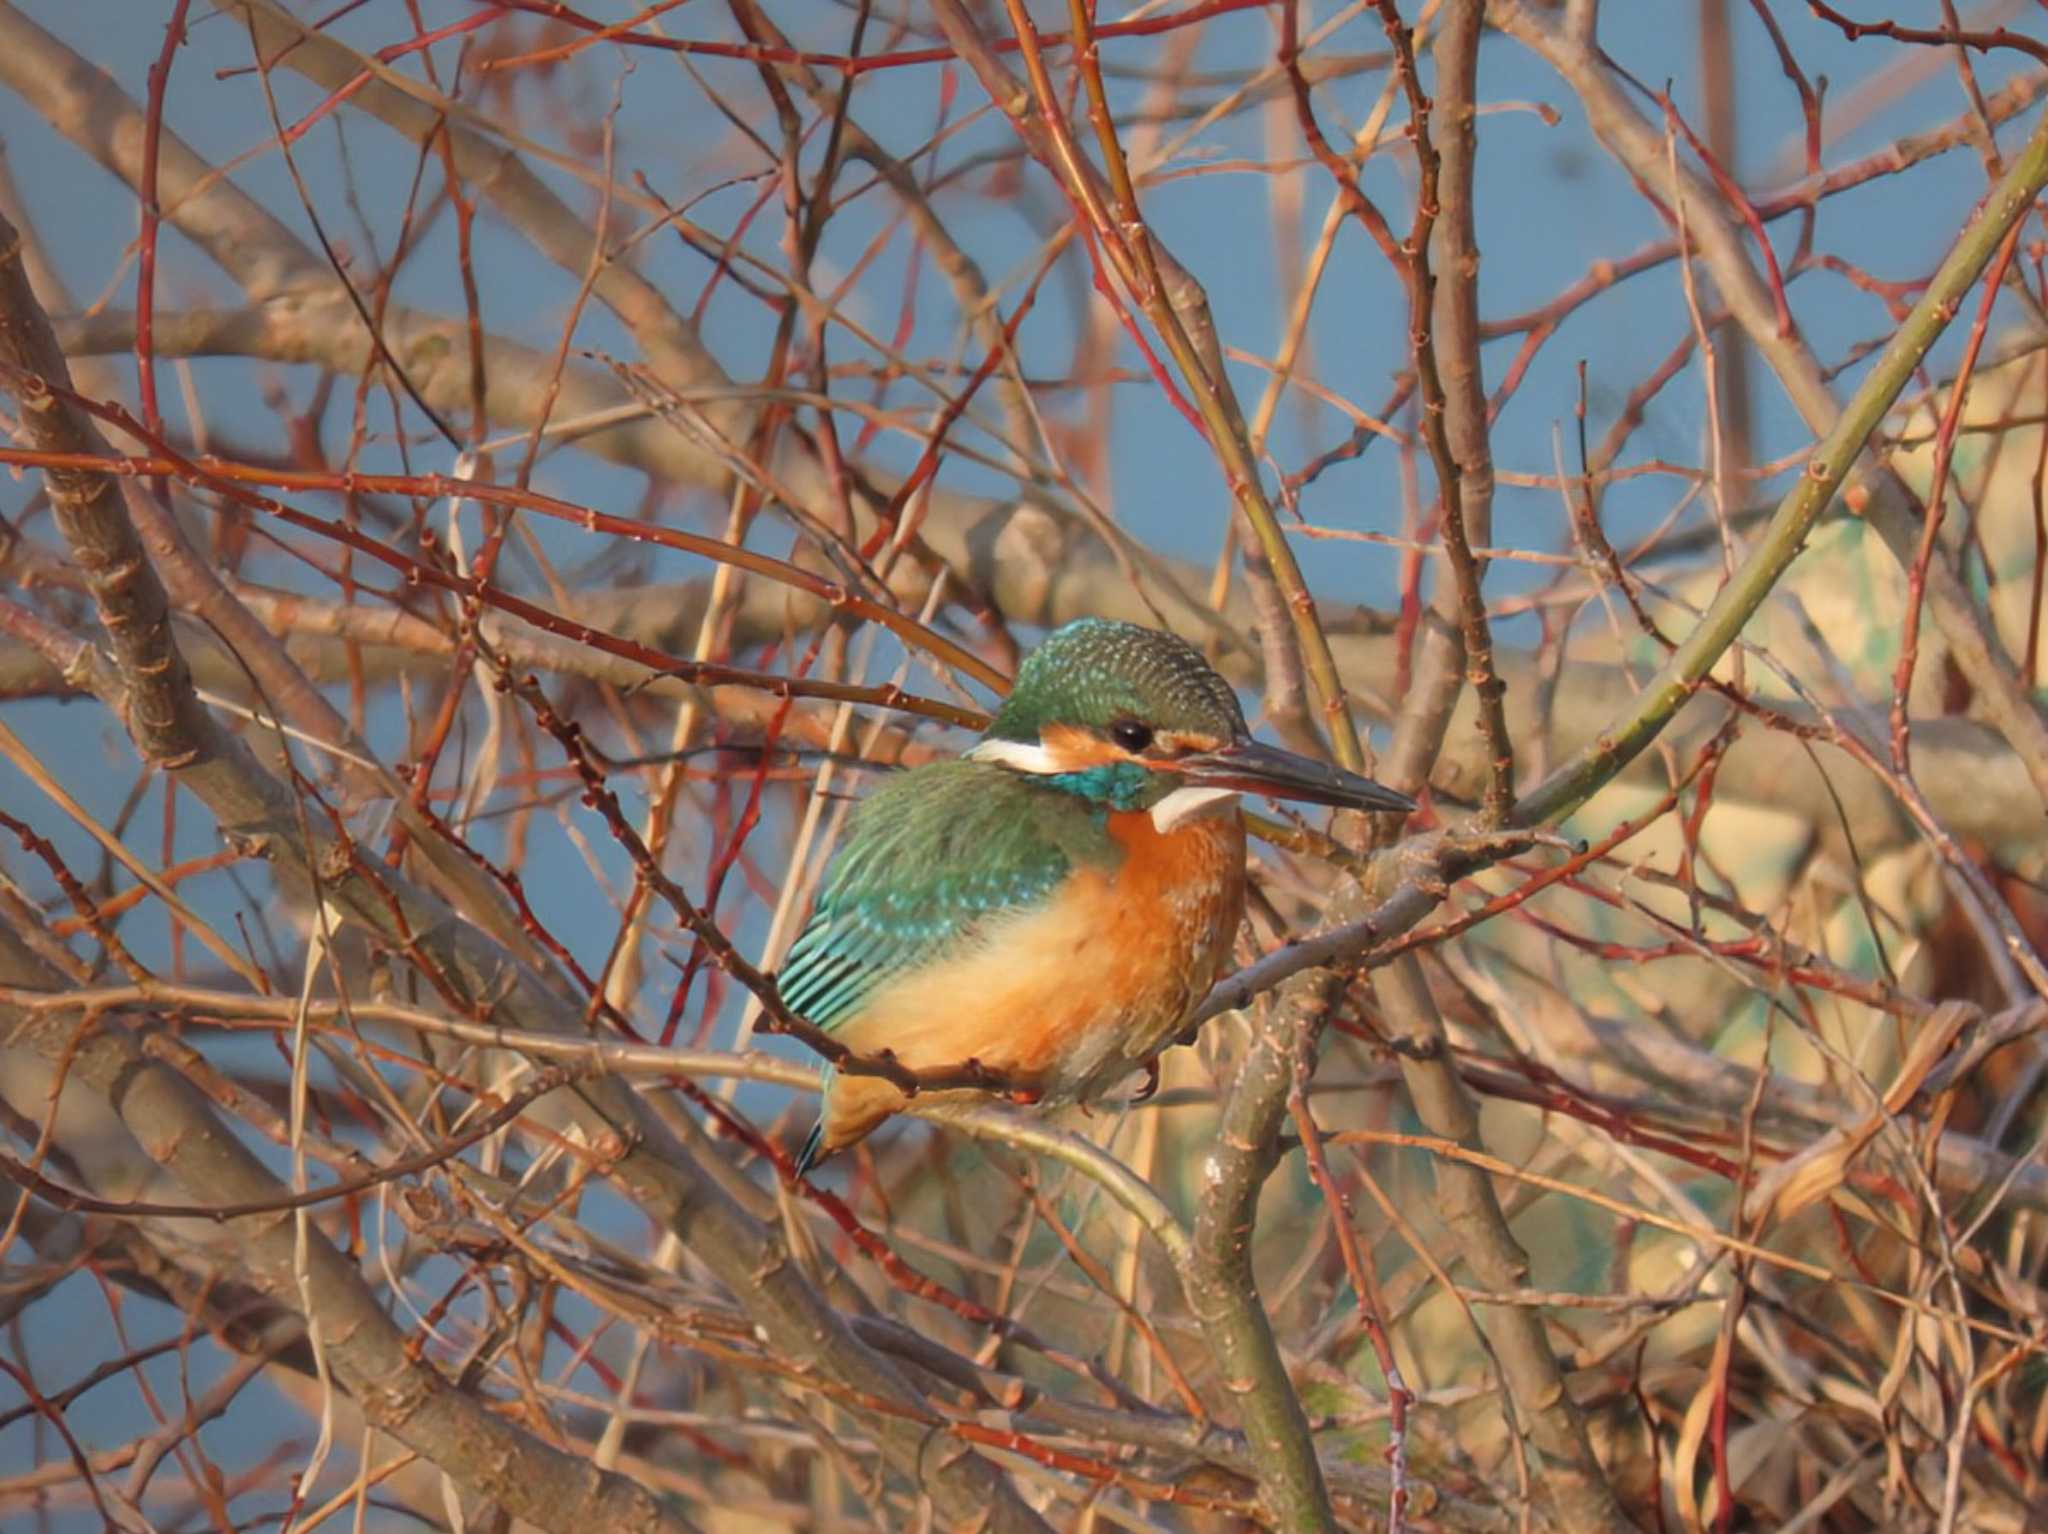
1071 749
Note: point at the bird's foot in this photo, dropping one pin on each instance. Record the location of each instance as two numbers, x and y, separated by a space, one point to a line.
1150 1089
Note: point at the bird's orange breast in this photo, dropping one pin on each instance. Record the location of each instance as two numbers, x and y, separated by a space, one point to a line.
1169 913
1070 998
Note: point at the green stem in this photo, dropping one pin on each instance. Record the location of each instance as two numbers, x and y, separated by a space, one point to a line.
1579 779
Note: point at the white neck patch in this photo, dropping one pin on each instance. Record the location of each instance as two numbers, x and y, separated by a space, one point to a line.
1185 804
1023 756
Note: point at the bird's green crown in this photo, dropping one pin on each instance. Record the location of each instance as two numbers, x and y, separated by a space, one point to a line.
1096 674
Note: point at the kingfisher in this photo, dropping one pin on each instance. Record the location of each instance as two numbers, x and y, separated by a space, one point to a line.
1055 904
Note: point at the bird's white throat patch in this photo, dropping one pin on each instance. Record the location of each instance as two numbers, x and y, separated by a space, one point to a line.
1185 804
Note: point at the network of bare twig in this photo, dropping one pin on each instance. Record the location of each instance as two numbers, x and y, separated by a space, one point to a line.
494 479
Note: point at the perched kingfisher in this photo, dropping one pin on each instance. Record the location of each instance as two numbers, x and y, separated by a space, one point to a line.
1056 903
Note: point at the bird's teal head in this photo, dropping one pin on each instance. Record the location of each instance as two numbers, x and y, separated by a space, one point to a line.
1135 719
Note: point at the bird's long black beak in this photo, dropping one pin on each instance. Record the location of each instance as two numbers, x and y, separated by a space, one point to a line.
1253 768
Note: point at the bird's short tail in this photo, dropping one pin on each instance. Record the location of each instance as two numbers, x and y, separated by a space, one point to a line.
849 1112
810 1155
814 1144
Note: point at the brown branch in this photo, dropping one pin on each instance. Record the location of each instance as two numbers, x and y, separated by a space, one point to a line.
1467 512
1934 37
1572 1478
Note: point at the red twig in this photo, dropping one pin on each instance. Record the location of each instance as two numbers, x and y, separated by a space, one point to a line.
152 216
1809 111
229 478
1372 1308
1738 200
1944 447
847 64
1934 37
2032 670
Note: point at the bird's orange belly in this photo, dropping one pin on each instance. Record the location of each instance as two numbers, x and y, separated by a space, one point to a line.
1069 999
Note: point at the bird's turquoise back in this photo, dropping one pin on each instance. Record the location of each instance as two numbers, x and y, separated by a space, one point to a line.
933 861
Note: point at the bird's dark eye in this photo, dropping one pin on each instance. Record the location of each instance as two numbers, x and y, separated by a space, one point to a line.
1131 734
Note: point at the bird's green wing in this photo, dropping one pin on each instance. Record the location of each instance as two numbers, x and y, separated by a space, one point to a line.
929 862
